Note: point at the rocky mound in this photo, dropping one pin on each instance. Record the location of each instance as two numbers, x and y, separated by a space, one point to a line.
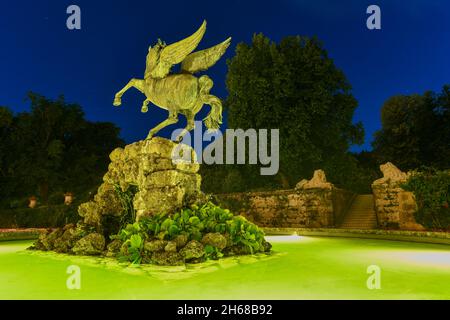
150 209
161 182
190 236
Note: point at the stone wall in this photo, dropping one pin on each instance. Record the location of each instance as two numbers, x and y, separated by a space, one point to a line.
316 203
312 205
394 206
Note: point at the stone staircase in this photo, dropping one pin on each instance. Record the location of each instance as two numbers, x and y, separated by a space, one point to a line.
361 214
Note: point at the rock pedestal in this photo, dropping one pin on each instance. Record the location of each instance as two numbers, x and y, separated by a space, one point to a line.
163 172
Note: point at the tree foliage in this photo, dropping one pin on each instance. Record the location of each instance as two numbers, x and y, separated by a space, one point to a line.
52 148
415 130
295 87
432 192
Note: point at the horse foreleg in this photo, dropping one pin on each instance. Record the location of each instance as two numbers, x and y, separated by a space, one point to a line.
136 83
173 118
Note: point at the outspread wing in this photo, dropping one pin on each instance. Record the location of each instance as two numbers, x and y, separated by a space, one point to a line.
204 59
177 52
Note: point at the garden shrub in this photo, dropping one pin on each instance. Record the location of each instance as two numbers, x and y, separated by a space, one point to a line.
194 223
431 189
56 198
16 213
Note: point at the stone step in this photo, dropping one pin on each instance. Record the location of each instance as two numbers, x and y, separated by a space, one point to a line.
359 217
360 227
359 221
361 214
357 214
364 203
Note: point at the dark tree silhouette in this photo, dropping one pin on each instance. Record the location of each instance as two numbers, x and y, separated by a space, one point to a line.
52 148
295 87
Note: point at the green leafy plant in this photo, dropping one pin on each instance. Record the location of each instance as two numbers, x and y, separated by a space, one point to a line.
194 222
431 189
133 243
213 252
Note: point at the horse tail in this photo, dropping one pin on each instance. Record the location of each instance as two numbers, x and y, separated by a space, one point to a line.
214 118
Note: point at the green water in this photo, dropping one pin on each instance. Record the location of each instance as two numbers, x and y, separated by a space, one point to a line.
301 268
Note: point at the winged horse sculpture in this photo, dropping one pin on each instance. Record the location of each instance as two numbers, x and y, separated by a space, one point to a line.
182 92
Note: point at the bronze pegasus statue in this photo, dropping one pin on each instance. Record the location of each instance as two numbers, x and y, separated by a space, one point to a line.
183 92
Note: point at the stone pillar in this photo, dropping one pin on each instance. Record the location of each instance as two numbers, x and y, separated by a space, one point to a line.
394 206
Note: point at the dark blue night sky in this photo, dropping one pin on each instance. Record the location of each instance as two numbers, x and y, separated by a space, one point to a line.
410 54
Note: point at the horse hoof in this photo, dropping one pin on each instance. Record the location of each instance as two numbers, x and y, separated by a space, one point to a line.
117 102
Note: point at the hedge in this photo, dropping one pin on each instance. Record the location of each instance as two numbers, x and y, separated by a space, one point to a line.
41 217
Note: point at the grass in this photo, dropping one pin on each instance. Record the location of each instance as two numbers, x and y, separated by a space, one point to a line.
301 268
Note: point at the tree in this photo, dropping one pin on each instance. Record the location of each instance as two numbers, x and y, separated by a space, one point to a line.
87 154
54 148
293 86
6 119
415 130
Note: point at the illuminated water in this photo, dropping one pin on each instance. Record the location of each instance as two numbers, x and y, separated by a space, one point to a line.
301 268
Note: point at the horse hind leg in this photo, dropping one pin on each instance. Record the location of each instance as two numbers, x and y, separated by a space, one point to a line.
136 83
189 126
173 118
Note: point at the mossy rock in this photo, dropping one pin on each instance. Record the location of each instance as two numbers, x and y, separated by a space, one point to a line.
92 244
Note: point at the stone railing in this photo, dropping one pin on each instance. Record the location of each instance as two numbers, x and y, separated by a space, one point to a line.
394 206
314 203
